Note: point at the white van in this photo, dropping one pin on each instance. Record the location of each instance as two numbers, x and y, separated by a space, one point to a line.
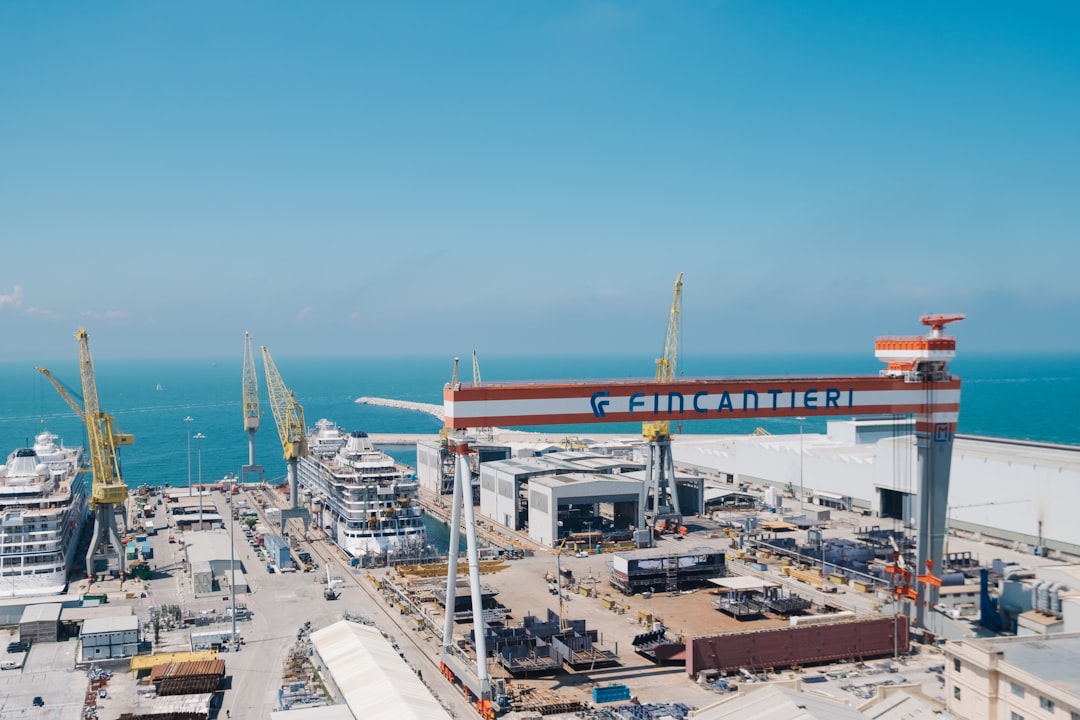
9 665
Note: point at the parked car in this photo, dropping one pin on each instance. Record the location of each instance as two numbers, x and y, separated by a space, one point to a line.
18 647
38 702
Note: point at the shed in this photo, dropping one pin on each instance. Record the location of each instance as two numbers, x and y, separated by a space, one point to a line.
364 668
109 637
40 623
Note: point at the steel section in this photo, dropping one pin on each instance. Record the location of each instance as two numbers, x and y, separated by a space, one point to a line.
804 645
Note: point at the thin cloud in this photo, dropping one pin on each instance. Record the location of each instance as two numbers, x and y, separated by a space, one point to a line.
14 299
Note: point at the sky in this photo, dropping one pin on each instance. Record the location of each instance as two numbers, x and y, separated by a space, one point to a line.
372 178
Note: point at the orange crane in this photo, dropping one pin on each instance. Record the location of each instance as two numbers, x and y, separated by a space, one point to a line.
289 418
108 491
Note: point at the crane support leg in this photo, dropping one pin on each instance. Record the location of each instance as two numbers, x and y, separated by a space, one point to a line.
104 531
935 459
452 557
660 478
294 492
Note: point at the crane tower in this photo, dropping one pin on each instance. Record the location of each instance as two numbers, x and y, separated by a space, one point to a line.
289 418
660 468
251 411
108 491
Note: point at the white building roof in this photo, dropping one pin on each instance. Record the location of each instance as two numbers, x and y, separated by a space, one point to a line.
115 623
742 582
779 703
325 712
375 681
44 612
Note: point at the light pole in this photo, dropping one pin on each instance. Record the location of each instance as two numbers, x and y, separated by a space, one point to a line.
232 570
200 437
802 493
187 421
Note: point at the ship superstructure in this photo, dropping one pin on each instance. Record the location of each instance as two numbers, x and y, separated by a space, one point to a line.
366 503
43 510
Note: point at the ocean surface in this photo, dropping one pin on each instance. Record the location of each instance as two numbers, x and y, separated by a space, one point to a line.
1029 397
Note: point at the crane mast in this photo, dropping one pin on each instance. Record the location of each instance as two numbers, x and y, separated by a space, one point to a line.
289 418
251 410
108 490
660 467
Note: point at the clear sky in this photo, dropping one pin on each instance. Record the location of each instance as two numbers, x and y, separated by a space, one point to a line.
352 178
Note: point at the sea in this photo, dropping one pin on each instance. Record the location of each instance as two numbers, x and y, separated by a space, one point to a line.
1025 397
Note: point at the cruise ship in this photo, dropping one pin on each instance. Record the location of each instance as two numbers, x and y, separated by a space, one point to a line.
362 499
43 509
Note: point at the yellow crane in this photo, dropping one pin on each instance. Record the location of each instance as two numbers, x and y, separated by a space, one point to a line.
251 409
108 491
660 468
289 418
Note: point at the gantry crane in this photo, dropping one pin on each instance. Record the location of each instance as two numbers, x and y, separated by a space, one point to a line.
251 411
660 468
289 418
108 491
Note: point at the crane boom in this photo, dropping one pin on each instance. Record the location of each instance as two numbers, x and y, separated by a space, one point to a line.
102 435
288 413
665 366
251 388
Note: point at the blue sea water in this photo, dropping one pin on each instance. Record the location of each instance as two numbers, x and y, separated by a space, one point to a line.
1014 396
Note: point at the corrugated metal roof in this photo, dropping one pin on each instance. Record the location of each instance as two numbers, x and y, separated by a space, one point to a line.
43 612
145 662
778 703
376 682
114 623
198 668
80 614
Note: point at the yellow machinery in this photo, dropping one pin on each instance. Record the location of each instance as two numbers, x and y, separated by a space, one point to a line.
289 417
108 491
660 468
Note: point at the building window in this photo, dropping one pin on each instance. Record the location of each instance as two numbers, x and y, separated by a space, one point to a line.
1018 690
1047 705
1016 716
956 665
956 692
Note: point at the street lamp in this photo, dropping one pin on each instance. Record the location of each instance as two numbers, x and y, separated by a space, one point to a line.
200 437
232 570
802 492
187 421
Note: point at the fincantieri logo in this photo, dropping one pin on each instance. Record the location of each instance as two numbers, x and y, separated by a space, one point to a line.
704 402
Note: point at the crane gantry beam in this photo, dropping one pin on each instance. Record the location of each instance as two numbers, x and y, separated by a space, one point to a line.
108 490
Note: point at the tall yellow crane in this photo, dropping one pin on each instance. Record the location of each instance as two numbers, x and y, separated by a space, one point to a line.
108 491
660 468
289 418
251 410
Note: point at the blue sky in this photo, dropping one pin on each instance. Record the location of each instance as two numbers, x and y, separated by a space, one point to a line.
354 178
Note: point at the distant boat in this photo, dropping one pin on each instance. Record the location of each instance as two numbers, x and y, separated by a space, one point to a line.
159 387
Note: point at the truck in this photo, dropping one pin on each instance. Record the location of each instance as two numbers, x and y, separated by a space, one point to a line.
148 526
